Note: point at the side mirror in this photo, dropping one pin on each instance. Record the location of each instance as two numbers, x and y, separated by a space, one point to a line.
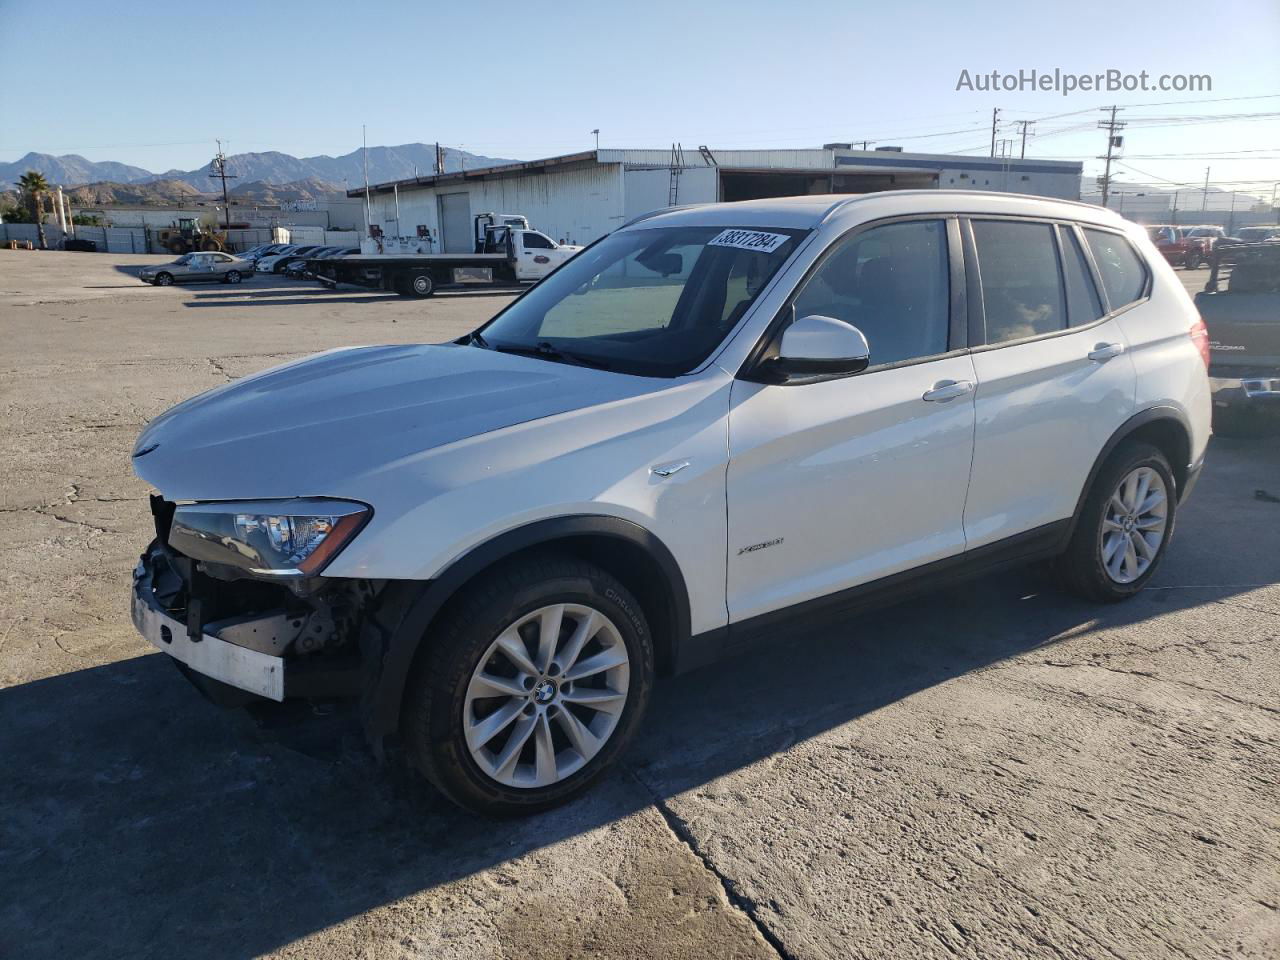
818 348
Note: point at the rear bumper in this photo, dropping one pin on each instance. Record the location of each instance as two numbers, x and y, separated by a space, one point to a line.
1260 393
1192 478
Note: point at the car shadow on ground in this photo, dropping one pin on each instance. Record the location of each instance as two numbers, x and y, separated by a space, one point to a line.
135 819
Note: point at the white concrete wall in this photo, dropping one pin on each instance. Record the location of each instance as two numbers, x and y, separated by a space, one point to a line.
576 206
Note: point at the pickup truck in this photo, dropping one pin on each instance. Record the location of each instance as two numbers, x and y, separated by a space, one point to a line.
1240 305
508 253
1180 248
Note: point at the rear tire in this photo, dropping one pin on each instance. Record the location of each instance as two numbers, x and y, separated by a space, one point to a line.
450 698
1124 527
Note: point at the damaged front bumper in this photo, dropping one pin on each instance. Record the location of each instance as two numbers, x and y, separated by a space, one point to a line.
205 653
233 642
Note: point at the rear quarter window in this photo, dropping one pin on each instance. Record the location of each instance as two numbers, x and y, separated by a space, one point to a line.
1124 274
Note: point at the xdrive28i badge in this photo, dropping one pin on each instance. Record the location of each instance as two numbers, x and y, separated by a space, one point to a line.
761 546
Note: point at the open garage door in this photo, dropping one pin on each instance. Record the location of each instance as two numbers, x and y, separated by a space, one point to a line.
455 223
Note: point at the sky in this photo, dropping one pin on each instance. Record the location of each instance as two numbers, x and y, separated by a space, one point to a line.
532 79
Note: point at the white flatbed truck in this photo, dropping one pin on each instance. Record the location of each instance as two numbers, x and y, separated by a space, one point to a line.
508 253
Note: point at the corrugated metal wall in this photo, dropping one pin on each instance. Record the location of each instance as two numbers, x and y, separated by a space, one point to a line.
750 159
574 206
108 239
649 190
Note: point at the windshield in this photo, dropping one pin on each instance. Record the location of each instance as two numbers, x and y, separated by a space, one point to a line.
649 302
183 260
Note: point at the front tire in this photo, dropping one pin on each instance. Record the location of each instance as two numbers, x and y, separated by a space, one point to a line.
531 686
233 276
1124 527
163 279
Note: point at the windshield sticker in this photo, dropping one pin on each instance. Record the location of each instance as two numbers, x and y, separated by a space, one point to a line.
749 240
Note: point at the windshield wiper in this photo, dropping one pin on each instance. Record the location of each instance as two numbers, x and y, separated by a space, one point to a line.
474 339
544 348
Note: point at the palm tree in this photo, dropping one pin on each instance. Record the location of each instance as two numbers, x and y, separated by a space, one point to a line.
34 186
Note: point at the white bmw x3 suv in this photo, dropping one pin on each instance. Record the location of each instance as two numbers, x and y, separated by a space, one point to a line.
713 422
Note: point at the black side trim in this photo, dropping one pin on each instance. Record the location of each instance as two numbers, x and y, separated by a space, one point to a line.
382 715
1038 544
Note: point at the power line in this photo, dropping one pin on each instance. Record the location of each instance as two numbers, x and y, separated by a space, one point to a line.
1165 103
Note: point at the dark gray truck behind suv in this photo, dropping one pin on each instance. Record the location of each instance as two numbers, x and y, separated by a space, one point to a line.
1241 307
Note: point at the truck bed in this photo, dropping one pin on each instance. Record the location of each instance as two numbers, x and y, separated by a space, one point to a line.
412 258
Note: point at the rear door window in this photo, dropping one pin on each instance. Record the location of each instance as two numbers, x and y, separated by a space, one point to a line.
1123 275
1022 289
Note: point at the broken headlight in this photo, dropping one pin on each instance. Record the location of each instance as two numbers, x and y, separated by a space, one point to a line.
285 538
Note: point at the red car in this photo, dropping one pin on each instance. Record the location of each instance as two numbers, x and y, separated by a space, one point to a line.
1178 247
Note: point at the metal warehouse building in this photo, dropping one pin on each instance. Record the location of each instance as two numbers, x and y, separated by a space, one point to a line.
579 197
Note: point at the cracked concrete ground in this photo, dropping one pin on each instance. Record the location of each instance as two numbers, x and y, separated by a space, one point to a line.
992 771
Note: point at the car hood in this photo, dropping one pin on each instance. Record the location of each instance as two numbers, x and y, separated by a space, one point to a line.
313 427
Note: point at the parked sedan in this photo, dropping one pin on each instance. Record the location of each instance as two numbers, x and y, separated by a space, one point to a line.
297 266
261 250
194 267
277 263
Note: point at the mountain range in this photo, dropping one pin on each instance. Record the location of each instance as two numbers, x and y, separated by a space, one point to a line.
261 170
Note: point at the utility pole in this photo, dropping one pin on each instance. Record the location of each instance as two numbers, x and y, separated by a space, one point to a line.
1204 197
218 171
1024 124
1174 214
368 210
1113 141
995 117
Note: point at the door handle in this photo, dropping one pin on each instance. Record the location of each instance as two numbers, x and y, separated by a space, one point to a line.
946 390
1102 352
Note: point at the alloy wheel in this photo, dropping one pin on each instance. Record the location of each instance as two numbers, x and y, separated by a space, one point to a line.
546 696
1134 523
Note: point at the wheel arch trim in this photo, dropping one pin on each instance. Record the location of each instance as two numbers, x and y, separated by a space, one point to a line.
1161 413
422 601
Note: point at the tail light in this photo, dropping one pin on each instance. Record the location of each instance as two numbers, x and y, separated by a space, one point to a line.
1200 337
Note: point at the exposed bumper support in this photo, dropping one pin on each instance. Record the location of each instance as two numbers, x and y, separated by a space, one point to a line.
232 674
